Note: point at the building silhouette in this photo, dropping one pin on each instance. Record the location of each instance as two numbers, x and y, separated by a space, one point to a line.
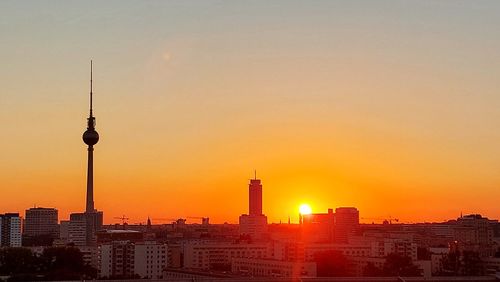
254 224
318 227
346 222
255 197
41 222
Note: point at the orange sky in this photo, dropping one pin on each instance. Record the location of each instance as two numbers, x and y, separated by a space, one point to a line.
393 111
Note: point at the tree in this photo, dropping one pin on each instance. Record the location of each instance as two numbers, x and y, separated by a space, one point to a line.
371 270
451 264
472 264
398 265
17 261
423 253
65 263
463 263
331 263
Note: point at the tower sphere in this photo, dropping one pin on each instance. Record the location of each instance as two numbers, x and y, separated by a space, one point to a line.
90 137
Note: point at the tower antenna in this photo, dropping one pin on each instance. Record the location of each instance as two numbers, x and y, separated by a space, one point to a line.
255 174
91 87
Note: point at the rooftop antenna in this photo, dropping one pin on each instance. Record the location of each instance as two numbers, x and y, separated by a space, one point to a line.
255 174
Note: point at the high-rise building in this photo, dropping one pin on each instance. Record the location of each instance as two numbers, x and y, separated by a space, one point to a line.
79 232
255 197
40 222
474 233
116 259
91 217
10 230
254 224
346 222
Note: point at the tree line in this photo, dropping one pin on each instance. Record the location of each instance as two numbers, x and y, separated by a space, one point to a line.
54 263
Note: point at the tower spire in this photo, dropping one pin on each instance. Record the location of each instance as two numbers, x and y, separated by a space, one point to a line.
91 88
91 119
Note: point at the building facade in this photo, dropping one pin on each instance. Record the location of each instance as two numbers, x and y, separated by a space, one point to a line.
125 259
346 222
10 230
41 221
205 256
272 268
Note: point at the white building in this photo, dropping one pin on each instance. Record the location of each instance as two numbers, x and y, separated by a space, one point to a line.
204 256
124 259
150 259
10 230
77 230
273 268
349 250
437 256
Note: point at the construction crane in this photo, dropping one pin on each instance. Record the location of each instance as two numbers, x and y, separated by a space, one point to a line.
204 220
383 219
164 219
123 218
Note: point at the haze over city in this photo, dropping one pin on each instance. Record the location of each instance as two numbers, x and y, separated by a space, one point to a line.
391 108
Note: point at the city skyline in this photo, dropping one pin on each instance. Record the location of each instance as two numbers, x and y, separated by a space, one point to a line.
187 113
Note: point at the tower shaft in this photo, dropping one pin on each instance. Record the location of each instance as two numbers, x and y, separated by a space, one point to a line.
90 180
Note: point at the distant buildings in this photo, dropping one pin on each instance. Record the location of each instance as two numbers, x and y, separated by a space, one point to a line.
272 268
254 224
330 227
474 233
10 230
210 255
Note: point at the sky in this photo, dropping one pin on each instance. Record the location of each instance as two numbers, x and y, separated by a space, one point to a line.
388 106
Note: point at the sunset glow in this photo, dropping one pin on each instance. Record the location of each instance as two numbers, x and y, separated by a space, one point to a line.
305 209
189 99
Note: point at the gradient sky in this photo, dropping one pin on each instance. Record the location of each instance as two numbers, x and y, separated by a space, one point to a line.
389 106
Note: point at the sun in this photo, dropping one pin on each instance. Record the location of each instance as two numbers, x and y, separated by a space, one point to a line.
305 209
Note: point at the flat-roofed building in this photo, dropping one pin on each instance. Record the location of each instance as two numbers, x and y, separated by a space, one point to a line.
41 221
272 268
10 230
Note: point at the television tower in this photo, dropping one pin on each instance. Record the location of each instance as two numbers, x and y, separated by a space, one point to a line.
90 137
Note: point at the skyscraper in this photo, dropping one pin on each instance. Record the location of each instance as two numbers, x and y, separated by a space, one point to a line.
91 217
255 197
254 223
346 222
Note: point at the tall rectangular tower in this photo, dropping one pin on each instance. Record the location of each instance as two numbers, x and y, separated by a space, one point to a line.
254 224
346 222
255 197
